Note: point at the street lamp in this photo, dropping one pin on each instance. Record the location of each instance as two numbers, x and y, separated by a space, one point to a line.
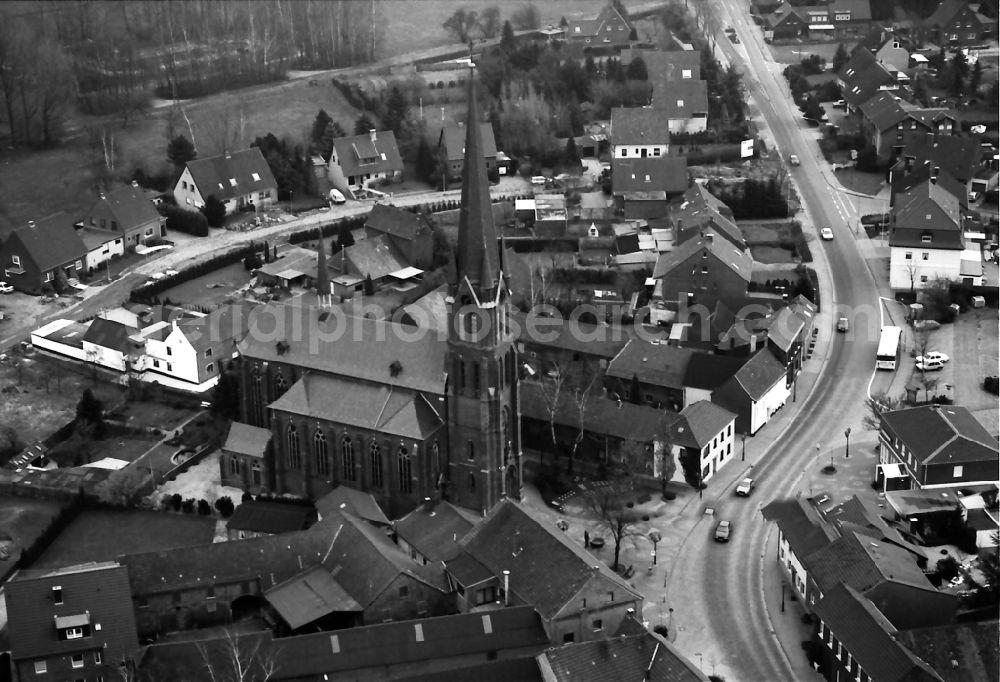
847 449
654 536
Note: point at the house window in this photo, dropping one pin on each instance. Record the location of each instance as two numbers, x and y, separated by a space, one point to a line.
624 153
77 660
925 256
170 367
57 595
255 176
957 472
656 151
41 667
232 182
16 260
156 363
208 352
598 625
78 265
404 470
680 103
74 633
103 223
909 255
404 591
685 73
472 483
568 638
923 278
210 368
255 473
98 658
375 463
234 465
470 450
48 276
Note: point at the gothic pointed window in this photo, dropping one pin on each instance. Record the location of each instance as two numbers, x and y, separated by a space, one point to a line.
321 462
475 377
234 465
436 458
256 398
255 472
347 458
404 470
375 463
293 454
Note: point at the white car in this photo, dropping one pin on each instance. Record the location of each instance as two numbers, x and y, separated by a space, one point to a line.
933 356
929 365
745 487
826 233
336 197
538 180
794 160
6 288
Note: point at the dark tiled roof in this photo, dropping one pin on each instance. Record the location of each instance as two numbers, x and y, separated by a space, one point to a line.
665 174
927 206
904 183
519 669
395 222
375 256
712 244
310 595
215 175
789 322
709 371
595 27
547 569
52 242
863 563
359 503
131 206
666 65
262 516
659 365
863 76
434 529
453 138
354 347
639 126
599 340
700 422
945 12
870 637
884 110
633 657
801 525
219 329
963 652
942 435
361 155
94 237
959 156
244 439
759 374
109 334
381 408
100 590
680 99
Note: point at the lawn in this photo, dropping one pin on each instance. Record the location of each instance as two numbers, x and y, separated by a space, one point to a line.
22 520
102 535
148 414
865 183
212 289
796 52
771 254
125 446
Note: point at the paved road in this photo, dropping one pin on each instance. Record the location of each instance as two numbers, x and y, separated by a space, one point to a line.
719 588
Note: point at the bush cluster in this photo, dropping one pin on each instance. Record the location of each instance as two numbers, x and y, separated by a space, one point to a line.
181 220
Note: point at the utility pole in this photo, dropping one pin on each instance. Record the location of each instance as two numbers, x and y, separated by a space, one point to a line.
847 449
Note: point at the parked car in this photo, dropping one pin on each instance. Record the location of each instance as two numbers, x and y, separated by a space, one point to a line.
538 180
840 104
337 197
723 530
933 356
794 160
842 324
926 325
745 487
5 288
923 365
826 233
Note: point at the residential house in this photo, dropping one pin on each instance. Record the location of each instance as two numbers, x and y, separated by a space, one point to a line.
657 370
888 48
549 346
512 558
666 65
959 156
409 232
642 188
70 623
37 257
757 390
862 77
704 271
241 180
928 241
704 431
295 266
706 372
254 518
901 184
935 447
102 246
431 532
959 23
957 652
684 103
639 132
451 149
839 20
637 655
451 647
789 333
801 533
784 23
107 343
890 123
130 212
853 640
362 160
611 28
376 257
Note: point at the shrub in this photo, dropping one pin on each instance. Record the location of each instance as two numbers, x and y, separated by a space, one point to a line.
181 220
176 501
225 506
991 385
214 211
204 508
188 505
947 568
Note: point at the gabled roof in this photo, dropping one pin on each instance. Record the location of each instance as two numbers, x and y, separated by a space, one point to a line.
666 65
369 153
434 529
708 371
310 595
884 109
759 374
801 525
599 340
680 99
453 139
904 183
789 323
700 422
95 238
863 563
870 637
98 591
639 126
231 175
381 408
596 27
945 12
961 652
645 656
667 174
946 434
376 256
109 334
129 204
51 242
340 344
396 222
227 323
263 516
357 502
547 569
959 156
927 206
659 365
863 76
244 439
710 245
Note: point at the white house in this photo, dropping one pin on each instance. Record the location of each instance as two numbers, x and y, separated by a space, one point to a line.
357 162
63 337
801 532
707 429
639 132
755 392
102 246
241 180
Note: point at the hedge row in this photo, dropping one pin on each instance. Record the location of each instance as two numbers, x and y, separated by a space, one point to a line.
181 220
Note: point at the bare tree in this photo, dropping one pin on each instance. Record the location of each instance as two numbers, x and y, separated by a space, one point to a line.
583 383
549 385
877 405
239 658
120 488
609 505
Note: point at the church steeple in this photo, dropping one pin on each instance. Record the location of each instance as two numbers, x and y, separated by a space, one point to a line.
478 257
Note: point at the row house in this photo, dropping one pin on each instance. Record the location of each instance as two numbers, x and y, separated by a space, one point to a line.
451 149
128 211
610 29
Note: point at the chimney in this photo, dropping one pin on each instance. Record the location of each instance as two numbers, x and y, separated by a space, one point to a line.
227 154
428 505
709 237
506 588
135 184
371 134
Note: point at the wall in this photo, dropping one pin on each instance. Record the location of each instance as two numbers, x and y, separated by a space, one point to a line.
632 151
189 198
940 263
943 475
419 601
106 252
719 452
105 357
577 617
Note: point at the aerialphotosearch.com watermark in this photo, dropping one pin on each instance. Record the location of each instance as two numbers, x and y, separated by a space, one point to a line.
313 329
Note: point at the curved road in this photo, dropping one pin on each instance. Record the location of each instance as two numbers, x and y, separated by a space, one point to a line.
724 582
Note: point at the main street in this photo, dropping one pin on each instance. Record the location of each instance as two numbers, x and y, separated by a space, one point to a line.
717 591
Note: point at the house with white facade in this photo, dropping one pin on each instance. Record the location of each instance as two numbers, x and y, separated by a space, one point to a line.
683 102
755 392
639 132
241 180
927 241
102 246
707 430
359 161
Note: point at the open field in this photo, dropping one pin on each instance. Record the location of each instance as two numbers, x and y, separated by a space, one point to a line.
211 289
105 534
796 52
22 520
124 446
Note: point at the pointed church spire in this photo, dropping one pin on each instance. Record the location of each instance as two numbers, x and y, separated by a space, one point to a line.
322 277
478 253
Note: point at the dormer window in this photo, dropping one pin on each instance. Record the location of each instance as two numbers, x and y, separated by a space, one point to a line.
232 182
680 103
926 238
56 591
255 176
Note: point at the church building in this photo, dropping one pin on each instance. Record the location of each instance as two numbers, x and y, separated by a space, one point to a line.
401 412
